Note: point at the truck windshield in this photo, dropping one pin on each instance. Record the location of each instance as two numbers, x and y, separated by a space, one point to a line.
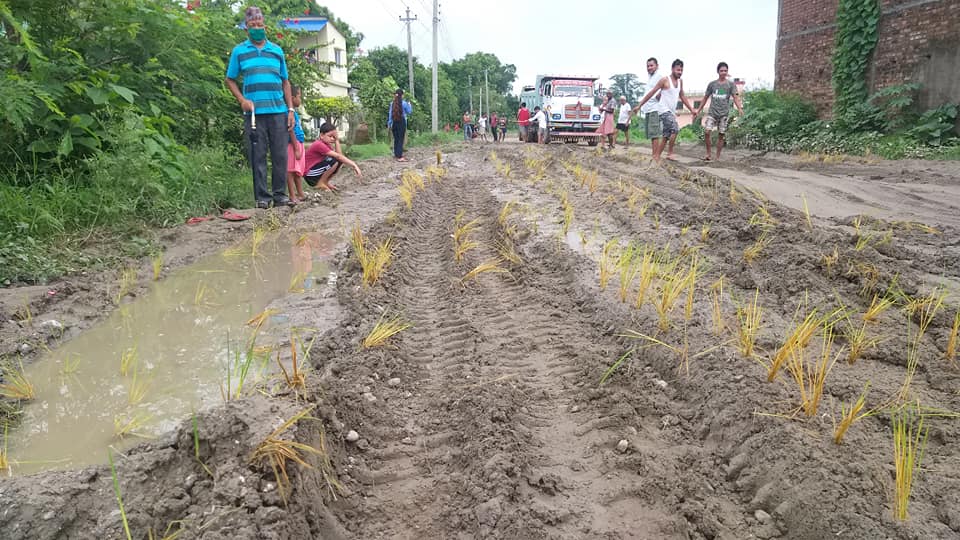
572 91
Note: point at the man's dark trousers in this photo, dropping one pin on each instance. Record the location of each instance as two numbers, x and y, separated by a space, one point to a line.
271 133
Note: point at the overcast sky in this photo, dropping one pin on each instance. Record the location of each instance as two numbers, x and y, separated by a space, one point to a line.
582 37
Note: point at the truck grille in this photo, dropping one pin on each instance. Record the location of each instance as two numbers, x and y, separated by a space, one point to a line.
573 112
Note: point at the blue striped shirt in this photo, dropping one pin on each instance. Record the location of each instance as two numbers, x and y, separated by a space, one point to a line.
263 71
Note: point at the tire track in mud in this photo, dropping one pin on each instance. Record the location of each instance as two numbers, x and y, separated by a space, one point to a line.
495 441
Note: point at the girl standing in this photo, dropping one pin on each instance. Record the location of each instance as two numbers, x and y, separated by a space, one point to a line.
397 122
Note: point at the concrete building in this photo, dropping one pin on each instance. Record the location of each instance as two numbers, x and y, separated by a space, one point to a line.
322 44
919 41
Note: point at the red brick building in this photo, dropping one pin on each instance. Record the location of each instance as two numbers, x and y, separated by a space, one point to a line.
919 41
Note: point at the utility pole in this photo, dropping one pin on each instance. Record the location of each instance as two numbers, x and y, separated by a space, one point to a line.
408 20
486 89
470 89
434 119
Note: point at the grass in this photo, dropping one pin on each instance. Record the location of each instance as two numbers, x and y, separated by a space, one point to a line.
950 352
372 262
16 386
749 317
851 414
116 491
278 453
492 265
608 261
384 330
909 442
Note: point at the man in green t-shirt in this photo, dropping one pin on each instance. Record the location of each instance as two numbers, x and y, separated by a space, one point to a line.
720 92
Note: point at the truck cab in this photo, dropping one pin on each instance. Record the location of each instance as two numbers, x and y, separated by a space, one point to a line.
568 102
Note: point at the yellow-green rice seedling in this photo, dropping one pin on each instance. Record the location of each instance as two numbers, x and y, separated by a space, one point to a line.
671 287
505 212
806 211
372 262
384 330
749 317
753 251
128 278
462 243
608 261
829 261
116 491
138 387
950 352
508 251
156 262
629 265
567 212
128 360
924 309
909 442
15 384
735 196
796 341
858 342
278 453
4 455
716 301
877 307
492 265
237 369
130 425
851 414
704 232
811 376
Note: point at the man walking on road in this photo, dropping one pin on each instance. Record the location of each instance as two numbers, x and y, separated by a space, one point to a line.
719 92
651 110
623 119
671 89
267 103
523 120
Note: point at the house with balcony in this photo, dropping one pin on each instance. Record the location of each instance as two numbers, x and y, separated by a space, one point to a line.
323 45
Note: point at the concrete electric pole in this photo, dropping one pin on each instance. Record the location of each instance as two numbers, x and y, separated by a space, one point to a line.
486 89
408 20
434 118
470 89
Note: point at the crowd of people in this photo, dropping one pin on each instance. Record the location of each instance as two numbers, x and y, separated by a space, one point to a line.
267 98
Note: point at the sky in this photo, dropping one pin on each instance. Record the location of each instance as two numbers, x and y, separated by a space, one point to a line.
578 37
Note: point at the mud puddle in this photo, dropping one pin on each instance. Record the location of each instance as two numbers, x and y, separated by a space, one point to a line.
160 356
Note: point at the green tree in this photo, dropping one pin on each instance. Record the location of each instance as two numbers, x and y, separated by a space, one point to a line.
627 84
467 76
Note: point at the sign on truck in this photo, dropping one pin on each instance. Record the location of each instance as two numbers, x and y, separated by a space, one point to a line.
568 102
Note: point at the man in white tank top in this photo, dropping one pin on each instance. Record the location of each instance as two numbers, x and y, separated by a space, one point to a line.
671 90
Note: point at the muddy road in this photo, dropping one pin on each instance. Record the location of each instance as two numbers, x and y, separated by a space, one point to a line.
523 401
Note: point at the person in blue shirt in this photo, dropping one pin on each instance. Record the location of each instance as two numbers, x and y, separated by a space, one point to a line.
296 156
266 94
397 122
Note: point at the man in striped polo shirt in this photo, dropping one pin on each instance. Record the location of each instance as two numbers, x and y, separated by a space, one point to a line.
266 93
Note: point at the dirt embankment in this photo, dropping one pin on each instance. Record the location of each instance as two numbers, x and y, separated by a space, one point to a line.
486 417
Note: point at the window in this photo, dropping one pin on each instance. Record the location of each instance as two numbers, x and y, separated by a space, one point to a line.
338 57
696 104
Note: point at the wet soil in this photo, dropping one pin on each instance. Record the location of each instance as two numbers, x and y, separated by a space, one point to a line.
487 418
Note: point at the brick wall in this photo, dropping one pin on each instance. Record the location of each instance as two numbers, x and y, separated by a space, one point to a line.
918 41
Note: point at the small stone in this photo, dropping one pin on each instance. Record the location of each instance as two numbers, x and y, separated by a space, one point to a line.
632 430
408 395
762 516
363 444
25 348
366 389
661 383
49 515
622 446
369 397
353 436
52 324
575 408
406 440
268 487
394 381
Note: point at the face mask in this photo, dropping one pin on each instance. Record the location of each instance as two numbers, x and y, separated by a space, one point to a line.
257 34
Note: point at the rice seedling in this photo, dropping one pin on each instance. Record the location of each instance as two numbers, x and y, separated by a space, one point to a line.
762 218
168 533
811 377
649 264
829 261
279 453
924 309
704 232
128 359
440 156
753 251
684 230
806 211
628 265
749 318
691 291
909 442
413 178
857 225
643 210
857 340
406 195
682 352
851 414
259 235
129 426
671 287
128 277
116 491
462 243
735 196
196 444
492 265
863 241
200 295
435 173
623 358
505 212
15 384
508 251
296 282
384 330
877 307
4 455
950 352
716 300
156 262
258 320
608 261
138 388
334 487
296 379
592 179
795 342
636 195
24 315
567 212
236 369
372 262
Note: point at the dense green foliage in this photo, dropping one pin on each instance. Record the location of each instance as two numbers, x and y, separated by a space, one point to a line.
858 24
114 117
629 85
882 125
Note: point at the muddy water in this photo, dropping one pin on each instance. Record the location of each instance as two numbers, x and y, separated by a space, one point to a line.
180 339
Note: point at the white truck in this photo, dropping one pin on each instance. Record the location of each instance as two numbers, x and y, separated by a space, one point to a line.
569 102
